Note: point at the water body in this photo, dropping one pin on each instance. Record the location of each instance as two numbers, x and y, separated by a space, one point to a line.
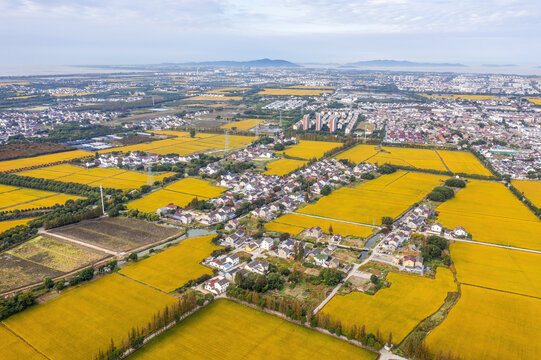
36 70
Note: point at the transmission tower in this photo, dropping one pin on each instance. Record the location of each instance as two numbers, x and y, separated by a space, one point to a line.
102 203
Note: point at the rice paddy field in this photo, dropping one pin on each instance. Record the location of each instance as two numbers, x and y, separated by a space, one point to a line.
283 166
226 330
106 177
492 325
116 234
56 254
13 347
306 149
442 160
243 124
212 98
388 195
397 309
182 144
535 101
464 97
16 272
6 225
16 198
175 266
75 325
296 223
42 160
531 190
294 92
497 268
491 213
227 90
179 193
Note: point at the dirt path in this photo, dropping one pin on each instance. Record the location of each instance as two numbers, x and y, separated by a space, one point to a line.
65 238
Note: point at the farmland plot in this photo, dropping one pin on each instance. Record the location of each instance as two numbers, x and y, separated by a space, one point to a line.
306 149
531 189
283 166
492 325
36 161
397 309
243 124
75 325
16 198
226 330
463 162
491 213
16 272
14 348
175 266
388 195
294 92
117 234
6 225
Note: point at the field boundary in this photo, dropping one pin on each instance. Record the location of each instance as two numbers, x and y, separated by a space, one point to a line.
502 291
330 219
78 242
443 162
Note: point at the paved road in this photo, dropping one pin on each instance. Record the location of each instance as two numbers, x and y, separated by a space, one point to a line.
336 220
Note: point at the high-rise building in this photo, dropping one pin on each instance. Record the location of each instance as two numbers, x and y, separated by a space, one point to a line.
332 124
318 122
306 122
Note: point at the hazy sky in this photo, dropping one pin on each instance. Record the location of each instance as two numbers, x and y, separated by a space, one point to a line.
153 31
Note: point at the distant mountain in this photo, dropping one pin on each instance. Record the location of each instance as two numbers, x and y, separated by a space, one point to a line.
251 63
400 63
499 65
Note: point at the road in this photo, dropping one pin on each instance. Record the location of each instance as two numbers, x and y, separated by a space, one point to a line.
65 238
336 220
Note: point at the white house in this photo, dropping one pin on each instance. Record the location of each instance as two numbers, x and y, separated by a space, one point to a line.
436 228
258 267
460 231
267 243
218 285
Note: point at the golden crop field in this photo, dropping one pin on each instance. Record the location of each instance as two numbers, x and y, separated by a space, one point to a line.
491 213
310 87
294 92
463 162
227 90
175 266
284 228
301 222
42 160
535 101
283 166
397 309
73 326
243 124
225 330
306 149
15 198
183 144
497 268
179 193
196 187
465 97
107 177
56 254
388 195
531 190
490 325
6 225
13 347
456 161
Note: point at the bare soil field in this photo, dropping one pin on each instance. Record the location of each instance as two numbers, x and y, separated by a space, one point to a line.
16 272
116 234
15 151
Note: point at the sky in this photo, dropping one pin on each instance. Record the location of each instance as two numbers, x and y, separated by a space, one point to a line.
156 31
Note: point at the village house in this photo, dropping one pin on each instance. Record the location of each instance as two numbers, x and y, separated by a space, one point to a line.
217 285
257 266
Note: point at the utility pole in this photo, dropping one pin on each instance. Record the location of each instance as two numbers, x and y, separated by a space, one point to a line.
102 203
226 140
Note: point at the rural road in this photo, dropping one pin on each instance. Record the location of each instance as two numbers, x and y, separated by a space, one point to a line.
65 238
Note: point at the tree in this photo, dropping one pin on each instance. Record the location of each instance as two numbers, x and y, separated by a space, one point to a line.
325 190
386 169
374 279
48 282
192 133
330 229
387 220
279 147
456 183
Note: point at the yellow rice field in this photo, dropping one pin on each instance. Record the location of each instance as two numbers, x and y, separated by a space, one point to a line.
175 266
179 193
283 166
42 160
227 90
106 177
14 348
397 309
497 268
212 98
464 97
535 101
6 225
306 149
454 161
226 330
183 144
243 124
388 195
491 213
294 92
15 198
298 223
73 326
531 190
491 325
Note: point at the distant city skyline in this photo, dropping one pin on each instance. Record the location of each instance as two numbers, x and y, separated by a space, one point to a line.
142 32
